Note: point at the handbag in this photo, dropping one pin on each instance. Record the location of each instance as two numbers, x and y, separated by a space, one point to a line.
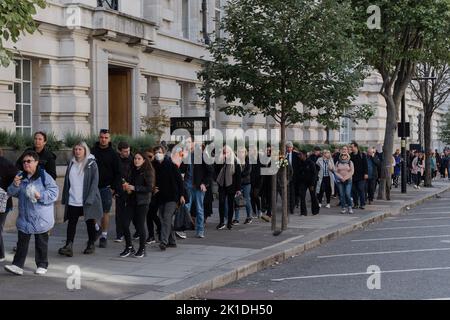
183 219
3 200
239 201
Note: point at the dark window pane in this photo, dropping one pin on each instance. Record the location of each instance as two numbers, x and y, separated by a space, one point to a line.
26 70
18 71
26 92
18 92
18 115
26 115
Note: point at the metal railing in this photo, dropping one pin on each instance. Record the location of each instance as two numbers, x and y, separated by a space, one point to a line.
112 4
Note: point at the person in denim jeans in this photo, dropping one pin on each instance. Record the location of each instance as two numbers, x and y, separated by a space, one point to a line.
246 187
197 178
344 172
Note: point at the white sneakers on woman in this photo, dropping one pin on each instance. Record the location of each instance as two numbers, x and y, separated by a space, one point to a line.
40 271
14 269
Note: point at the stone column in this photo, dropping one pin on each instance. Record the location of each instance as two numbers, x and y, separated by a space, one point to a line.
7 98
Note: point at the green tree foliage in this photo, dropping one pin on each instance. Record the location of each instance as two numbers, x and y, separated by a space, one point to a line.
410 32
16 18
278 54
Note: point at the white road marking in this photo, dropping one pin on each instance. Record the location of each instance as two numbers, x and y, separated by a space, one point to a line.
404 238
381 252
445 241
361 273
428 213
416 227
420 219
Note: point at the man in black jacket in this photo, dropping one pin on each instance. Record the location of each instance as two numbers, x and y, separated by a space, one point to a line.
306 180
110 175
197 178
7 173
47 159
360 176
292 157
373 165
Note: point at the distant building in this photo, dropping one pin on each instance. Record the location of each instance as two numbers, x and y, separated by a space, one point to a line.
105 64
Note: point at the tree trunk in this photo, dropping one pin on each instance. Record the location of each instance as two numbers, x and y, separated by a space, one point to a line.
327 139
284 199
427 133
388 149
274 202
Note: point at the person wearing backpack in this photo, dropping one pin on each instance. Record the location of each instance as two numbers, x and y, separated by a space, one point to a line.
37 192
7 173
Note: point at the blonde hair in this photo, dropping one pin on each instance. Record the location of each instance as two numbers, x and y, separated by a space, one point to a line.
87 152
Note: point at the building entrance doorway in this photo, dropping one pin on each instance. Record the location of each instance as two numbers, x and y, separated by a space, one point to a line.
119 84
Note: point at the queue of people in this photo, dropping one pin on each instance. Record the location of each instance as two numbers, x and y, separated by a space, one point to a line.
150 186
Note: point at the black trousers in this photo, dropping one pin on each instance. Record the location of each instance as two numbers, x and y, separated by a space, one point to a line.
302 188
371 187
137 214
291 196
226 194
41 249
74 213
152 218
325 187
256 200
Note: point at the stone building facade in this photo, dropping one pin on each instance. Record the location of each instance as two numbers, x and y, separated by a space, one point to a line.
104 64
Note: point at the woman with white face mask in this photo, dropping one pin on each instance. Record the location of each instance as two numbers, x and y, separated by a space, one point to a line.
81 197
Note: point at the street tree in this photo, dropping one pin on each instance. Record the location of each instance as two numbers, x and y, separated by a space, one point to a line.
292 60
431 85
394 39
16 18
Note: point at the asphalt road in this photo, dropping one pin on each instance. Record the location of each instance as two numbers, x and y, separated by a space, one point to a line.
404 257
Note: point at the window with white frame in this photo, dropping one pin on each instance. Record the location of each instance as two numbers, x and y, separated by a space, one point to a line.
345 131
22 89
218 17
185 18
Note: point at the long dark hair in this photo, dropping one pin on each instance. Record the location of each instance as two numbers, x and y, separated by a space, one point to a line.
147 166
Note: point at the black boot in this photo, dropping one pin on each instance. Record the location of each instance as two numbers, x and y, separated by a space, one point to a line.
67 249
90 249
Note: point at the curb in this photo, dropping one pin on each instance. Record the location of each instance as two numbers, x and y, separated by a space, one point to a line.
261 260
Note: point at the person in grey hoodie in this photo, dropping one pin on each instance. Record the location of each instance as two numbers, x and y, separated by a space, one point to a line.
37 192
81 197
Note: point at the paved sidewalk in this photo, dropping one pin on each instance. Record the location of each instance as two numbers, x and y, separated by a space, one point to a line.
196 265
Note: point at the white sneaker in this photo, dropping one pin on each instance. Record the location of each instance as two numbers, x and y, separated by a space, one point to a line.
328 206
180 234
41 271
350 210
418 187
320 205
2 259
415 186
14 269
343 211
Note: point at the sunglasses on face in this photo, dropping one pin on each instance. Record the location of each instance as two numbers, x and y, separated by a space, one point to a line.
28 161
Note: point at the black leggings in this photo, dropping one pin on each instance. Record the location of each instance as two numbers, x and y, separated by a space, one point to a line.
325 187
256 200
228 195
152 217
137 214
74 213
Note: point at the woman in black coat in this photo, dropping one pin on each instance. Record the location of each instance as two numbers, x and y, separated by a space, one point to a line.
229 180
7 173
139 190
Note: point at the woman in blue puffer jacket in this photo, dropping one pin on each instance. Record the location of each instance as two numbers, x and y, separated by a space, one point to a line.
37 192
